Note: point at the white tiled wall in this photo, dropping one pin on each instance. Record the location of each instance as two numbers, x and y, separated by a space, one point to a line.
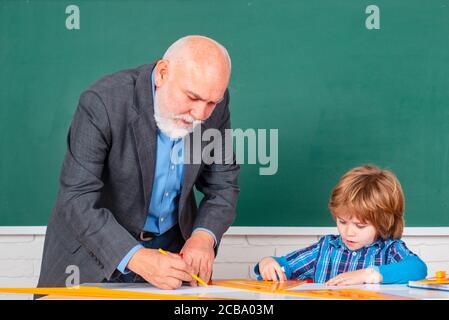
20 258
20 255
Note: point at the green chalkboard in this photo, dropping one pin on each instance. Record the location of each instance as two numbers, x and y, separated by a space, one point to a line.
341 94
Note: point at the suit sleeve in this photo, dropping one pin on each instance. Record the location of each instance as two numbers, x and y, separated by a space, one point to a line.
78 206
218 182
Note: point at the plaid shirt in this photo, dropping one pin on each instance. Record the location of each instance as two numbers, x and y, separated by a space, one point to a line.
329 257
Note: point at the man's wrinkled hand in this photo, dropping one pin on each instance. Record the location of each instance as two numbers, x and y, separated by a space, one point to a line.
198 252
163 271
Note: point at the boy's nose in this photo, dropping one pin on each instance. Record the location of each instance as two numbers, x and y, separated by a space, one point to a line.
350 231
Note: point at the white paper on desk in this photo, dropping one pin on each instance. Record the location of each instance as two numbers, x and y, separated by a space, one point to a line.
322 286
148 288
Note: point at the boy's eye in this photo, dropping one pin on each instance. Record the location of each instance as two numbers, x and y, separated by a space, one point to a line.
342 221
360 226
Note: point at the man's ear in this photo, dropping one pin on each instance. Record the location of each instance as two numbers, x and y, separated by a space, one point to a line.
161 72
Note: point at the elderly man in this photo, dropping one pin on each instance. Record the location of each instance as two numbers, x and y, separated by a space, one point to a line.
122 196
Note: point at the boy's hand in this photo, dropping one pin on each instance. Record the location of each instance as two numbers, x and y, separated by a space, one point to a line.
269 268
367 275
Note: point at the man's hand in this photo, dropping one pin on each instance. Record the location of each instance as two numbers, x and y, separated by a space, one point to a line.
163 271
368 275
198 252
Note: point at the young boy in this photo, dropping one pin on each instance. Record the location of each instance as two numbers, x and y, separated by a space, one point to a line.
368 206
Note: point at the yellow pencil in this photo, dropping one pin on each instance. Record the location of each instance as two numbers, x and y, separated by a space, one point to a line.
194 276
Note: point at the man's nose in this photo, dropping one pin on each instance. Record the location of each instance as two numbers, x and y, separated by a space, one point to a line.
200 112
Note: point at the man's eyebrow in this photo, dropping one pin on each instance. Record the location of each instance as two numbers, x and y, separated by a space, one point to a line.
197 96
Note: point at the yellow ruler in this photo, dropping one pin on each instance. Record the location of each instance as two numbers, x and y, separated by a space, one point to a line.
94 292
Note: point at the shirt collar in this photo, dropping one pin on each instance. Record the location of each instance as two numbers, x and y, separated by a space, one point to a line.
337 242
152 82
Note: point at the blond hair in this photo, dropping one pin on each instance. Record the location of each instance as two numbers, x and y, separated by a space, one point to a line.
372 195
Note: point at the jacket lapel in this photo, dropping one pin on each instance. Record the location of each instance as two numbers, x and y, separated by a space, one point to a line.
144 130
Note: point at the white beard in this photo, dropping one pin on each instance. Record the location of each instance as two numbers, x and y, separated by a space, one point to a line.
167 124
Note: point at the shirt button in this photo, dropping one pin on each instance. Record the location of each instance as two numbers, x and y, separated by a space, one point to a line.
166 194
354 253
173 167
162 219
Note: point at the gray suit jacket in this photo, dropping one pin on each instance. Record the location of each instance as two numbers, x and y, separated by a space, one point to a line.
107 177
